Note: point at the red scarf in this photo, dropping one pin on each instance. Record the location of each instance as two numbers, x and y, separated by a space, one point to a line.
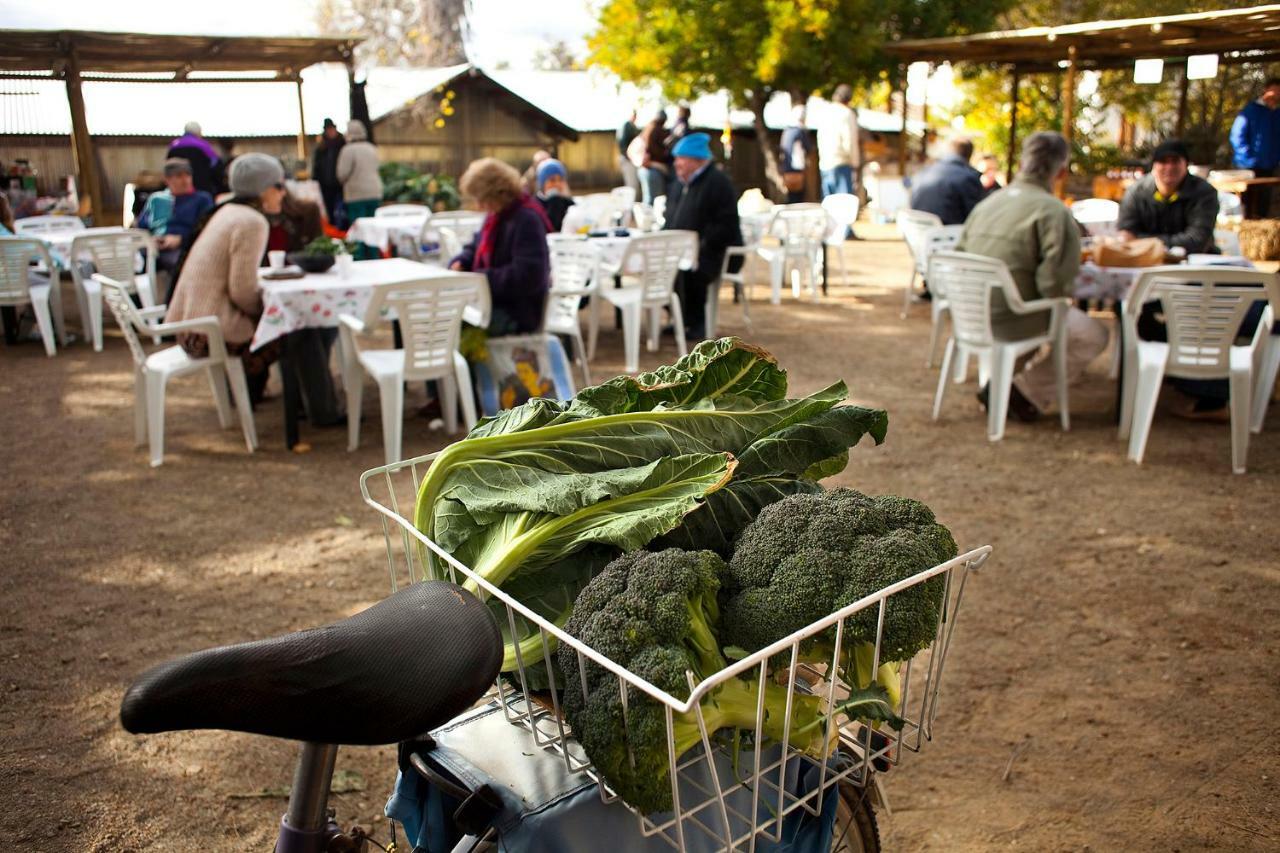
489 231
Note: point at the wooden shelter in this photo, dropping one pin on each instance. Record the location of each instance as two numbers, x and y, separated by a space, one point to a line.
1235 35
75 56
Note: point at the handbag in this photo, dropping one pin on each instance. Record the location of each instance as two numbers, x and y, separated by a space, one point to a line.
793 181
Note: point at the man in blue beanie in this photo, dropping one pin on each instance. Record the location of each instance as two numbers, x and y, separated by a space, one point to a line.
704 201
552 181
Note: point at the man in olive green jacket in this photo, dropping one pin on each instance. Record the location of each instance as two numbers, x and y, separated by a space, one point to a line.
1033 232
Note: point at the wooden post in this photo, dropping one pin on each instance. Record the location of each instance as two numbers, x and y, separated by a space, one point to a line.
302 129
1013 123
902 112
924 115
81 145
1068 112
1182 103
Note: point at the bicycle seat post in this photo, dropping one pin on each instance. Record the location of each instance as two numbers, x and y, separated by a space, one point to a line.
305 826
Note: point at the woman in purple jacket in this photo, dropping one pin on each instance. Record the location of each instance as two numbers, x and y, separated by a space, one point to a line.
510 248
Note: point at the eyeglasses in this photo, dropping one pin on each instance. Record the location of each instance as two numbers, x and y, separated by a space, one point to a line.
280 185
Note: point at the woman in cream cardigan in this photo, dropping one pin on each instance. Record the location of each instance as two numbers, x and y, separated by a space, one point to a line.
219 275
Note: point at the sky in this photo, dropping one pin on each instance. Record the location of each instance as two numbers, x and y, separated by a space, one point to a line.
510 30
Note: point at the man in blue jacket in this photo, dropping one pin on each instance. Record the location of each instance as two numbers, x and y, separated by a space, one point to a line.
949 187
1255 140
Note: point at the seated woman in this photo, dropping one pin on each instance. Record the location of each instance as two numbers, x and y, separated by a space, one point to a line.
510 248
219 275
553 192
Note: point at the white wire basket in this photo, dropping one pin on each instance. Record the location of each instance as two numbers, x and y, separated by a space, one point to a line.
730 809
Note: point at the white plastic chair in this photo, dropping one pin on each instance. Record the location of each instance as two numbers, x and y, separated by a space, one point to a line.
1230 208
741 288
652 262
126 208
624 199
430 315
660 210
400 211
969 280
114 254
643 216
1227 241
913 224
843 210
800 230
1097 215
17 288
574 265
1203 308
455 228
151 373
43 226
942 238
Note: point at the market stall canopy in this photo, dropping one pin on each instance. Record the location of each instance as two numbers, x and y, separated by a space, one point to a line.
1237 35
179 55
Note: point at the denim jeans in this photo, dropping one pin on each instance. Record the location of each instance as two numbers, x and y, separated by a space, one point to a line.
837 180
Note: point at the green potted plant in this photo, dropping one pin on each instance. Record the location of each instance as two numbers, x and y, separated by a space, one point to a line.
320 254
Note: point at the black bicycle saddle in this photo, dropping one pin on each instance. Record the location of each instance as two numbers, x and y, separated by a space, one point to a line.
406 665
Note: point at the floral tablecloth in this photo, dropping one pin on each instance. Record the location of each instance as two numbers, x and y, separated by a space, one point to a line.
1104 283
315 300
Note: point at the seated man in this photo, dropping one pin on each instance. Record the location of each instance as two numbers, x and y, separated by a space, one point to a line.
553 192
1179 208
949 187
171 214
704 201
1035 235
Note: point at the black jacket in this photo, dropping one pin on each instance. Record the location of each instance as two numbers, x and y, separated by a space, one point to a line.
709 206
206 175
949 188
519 272
1187 220
556 207
324 162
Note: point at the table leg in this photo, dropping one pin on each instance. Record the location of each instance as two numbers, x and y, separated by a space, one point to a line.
1118 307
824 269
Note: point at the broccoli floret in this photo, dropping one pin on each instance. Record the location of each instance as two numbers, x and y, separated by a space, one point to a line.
657 615
809 555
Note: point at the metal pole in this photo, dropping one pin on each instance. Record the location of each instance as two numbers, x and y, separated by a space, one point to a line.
81 145
309 798
1013 123
302 128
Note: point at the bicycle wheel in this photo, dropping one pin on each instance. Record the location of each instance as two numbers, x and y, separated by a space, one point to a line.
855 829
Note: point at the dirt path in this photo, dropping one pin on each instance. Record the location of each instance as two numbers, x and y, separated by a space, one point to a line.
1113 684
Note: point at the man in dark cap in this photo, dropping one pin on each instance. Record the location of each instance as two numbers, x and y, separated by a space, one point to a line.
704 201
1170 203
324 168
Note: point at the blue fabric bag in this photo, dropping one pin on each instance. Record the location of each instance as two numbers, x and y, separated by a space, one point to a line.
544 808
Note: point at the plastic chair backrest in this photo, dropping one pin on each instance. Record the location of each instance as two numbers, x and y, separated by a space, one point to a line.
47 225
843 208
656 258
395 211
801 227
573 264
1203 308
644 217
456 228
1088 210
968 280
116 295
941 238
1229 205
1227 241
624 196
660 209
913 224
114 253
126 208
430 315
16 255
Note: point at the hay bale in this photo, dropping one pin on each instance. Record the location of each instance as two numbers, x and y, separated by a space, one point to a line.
1260 239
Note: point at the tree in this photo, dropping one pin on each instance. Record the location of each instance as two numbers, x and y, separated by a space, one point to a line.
557 56
754 48
400 32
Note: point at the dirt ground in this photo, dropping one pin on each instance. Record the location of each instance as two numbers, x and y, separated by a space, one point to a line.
1112 685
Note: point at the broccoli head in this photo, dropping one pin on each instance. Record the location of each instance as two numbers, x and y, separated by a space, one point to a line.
657 615
809 555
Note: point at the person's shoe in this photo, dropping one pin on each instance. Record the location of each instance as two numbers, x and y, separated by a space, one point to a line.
1020 407
1213 411
431 411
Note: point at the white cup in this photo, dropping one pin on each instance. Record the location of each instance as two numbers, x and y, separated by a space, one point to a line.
276 259
344 262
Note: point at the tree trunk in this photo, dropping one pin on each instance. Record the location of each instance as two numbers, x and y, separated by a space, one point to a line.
774 186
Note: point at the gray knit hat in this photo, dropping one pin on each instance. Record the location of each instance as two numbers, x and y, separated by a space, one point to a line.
252 174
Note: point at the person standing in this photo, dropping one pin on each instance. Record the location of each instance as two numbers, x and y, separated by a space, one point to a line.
704 201
357 170
680 129
206 166
654 167
793 153
838 145
1255 141
1035 235
626 133
324 168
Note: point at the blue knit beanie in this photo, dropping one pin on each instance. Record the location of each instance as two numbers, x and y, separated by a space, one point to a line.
550 168
695 145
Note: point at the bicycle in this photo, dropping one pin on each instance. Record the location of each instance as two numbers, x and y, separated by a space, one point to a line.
453 651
